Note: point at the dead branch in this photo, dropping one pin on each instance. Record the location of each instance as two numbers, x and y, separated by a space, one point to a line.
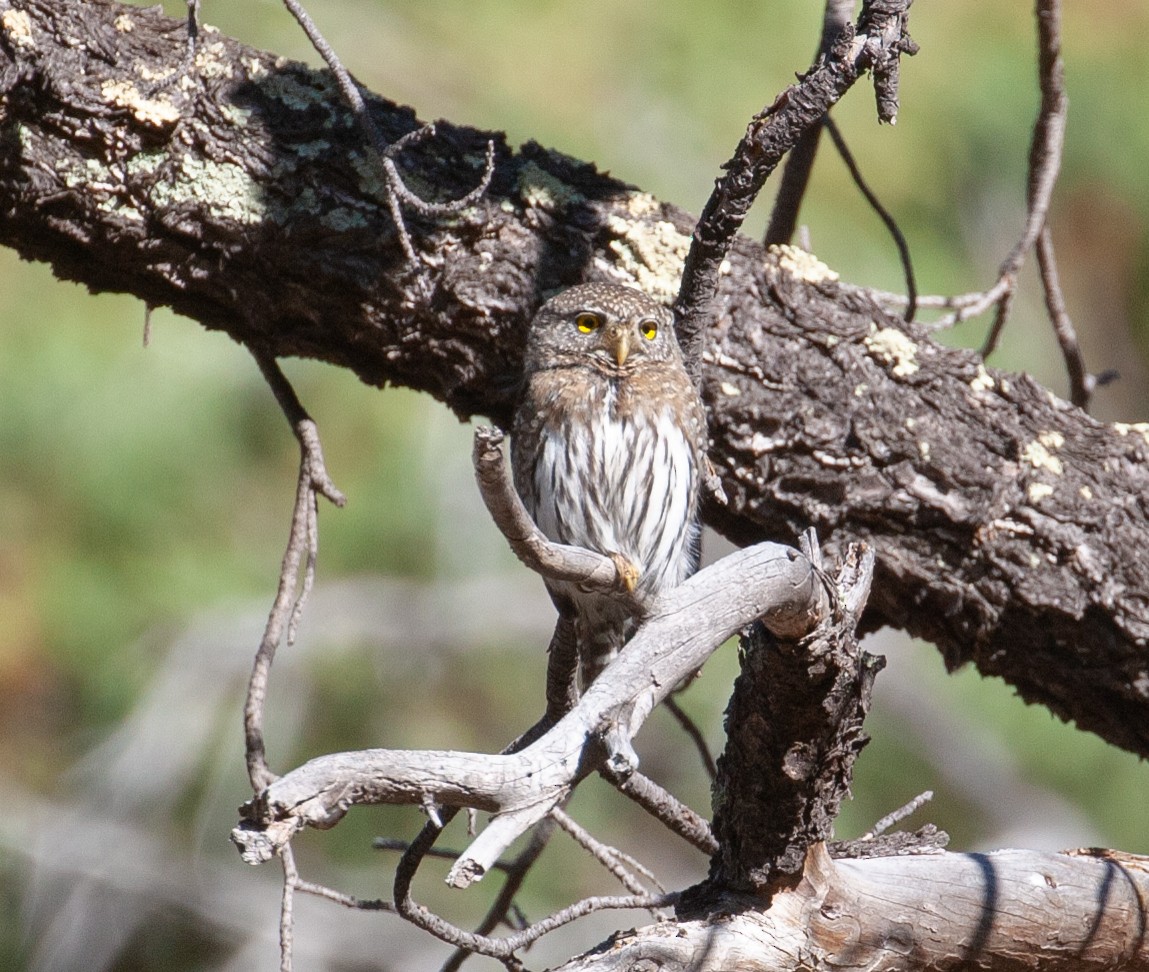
683 628
555 561
302 550
836 16
876 45
1077 910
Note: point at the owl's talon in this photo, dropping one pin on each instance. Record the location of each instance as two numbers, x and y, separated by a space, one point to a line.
628 573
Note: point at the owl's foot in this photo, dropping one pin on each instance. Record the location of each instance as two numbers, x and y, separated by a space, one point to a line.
628 573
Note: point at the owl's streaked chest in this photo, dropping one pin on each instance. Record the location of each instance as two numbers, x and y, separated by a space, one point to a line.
605 466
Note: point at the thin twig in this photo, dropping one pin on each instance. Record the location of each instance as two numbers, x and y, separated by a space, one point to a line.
504 903
592 571
302 548
562 665
800 160
287 909
398 195
883 214
666 808
1081 382
898 815
876 44
609 857
1044 165
440 853
193 28
690 727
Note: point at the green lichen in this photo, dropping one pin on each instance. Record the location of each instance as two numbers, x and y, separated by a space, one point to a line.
226 190
542 190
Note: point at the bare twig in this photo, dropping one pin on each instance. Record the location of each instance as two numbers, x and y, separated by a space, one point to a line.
593 571
398 195
287 909
883 214
609 857
897 816
800 160
1044 165
561 694
562 669
193 28
667 809
876 44
504 903
302 548
1044 158
690 727
1081 382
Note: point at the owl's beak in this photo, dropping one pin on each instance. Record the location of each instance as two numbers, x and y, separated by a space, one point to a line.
617 340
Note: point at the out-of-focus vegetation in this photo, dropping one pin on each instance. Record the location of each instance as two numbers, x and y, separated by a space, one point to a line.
144 494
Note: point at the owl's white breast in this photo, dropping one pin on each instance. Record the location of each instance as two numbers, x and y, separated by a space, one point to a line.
622 485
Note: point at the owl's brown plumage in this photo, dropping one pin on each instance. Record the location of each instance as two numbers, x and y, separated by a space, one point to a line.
608 444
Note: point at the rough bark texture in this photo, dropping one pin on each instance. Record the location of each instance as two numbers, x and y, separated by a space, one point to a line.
1009 527
793 731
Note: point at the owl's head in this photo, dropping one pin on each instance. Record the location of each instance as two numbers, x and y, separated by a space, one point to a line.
609 326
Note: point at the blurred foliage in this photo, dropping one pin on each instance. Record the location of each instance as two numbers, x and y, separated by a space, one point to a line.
139 488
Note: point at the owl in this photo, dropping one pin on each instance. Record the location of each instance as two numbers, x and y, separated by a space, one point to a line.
607 448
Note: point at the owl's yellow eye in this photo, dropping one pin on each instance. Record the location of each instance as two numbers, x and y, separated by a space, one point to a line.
648 329
587 322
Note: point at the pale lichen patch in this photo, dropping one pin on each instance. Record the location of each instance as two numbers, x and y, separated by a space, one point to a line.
894 348
153 112
640 204
1086 492
1039 455
729 390
226 189
802 264
146 73
542 190
649 253
982 381
18 26
1132 428
124 24
1036 492
211 60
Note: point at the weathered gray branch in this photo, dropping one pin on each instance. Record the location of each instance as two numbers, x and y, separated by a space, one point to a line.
682 630
1073 911
1009 527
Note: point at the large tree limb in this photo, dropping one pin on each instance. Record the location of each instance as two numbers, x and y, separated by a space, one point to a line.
1073 911
1009 527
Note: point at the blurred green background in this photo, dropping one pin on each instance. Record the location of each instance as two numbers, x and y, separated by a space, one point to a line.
144 494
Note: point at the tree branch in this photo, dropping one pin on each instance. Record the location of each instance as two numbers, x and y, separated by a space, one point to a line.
683 628
1077 910
242 197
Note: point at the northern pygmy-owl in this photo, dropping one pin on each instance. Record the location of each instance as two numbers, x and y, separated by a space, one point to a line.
608 447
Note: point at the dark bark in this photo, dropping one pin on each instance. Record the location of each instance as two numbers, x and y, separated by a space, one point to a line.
793 731
1009 527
